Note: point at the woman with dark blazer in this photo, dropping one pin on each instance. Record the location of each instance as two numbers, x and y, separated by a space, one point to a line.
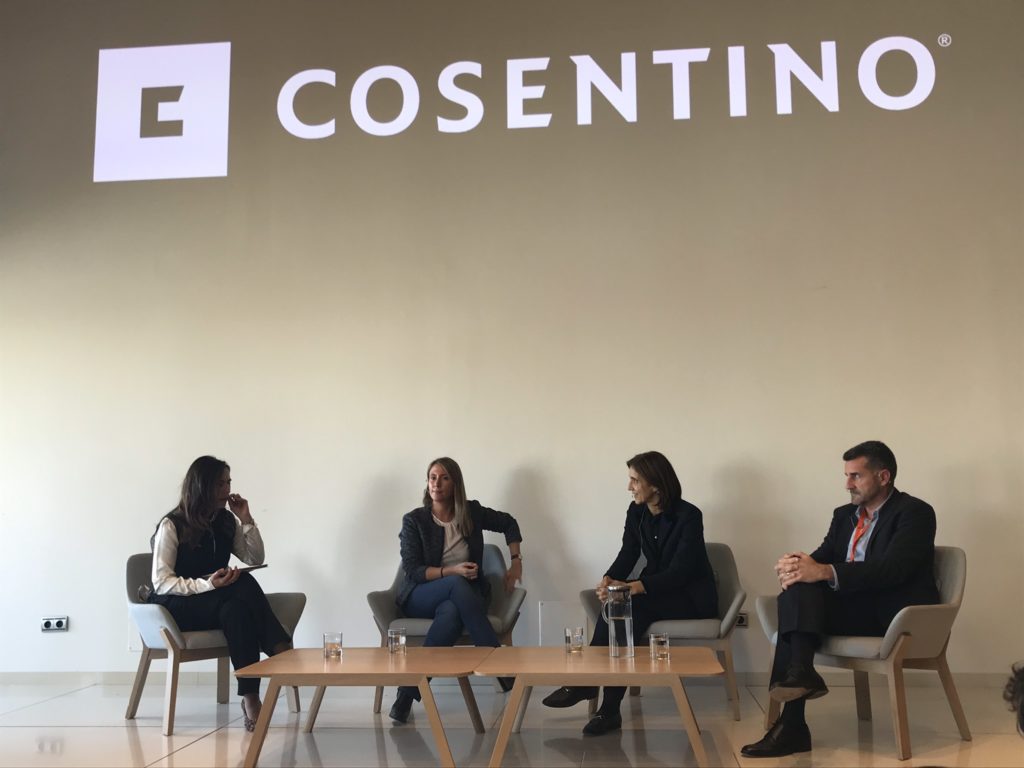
676 583
191 578
442 545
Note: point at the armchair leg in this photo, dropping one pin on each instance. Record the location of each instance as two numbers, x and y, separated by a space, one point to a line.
292 692
898 700
774 708
731 689
139 683
954 699
634 690
862 689
171 689
223 680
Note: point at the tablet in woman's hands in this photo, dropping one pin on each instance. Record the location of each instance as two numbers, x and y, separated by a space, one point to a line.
246 568
243 569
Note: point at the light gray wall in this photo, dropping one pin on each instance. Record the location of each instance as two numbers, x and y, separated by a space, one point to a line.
750 296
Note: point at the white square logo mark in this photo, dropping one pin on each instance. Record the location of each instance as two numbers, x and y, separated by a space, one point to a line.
162 112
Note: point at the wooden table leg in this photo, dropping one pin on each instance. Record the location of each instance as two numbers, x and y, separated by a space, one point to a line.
518 724
474 711
314 708
430 705
689 721
511 709
252 756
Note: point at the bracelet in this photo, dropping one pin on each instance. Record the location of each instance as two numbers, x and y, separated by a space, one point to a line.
442 571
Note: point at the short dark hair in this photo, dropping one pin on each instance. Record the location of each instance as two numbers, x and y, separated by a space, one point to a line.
877 453
657 470
1014 695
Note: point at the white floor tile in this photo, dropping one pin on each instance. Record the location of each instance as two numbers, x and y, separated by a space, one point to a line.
68 726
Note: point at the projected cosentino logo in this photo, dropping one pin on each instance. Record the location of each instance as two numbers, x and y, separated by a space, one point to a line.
162 112
621 94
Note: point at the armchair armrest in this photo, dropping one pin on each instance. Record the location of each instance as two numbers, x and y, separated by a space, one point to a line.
733 612
928 627
383 607
287 607
591 606
150 618
507 610
768 612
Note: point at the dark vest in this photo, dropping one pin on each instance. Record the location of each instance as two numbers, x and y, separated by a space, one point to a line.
210 553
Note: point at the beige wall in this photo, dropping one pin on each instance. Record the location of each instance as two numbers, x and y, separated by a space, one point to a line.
750 296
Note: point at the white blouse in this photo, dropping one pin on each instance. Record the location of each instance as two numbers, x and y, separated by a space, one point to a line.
456 548
247 547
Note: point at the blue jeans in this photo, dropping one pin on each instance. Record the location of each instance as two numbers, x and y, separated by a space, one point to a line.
455 605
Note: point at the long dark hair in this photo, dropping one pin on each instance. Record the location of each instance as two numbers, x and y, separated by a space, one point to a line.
657 471
463 522
193 517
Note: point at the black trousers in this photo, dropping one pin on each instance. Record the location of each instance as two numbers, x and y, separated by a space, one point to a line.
646 611
818 610
241 611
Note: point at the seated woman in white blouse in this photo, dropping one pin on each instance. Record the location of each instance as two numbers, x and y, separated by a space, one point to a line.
191 578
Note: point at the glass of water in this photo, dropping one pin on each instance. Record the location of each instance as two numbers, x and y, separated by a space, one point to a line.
574 639
396 640
659 646
332 645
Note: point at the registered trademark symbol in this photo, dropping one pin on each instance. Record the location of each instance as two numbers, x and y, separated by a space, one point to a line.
945 40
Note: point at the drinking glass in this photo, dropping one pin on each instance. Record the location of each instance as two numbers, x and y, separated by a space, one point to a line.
396 640
332 645
659 646
574 640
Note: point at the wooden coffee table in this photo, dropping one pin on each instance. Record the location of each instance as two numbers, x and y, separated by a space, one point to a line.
366 667
553 666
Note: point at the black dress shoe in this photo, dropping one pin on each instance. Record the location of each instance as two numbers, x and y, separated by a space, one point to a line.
401 708
781 740
799 683
601 724
506 683
567 697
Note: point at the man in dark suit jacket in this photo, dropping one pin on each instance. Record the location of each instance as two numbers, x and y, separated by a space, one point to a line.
877 558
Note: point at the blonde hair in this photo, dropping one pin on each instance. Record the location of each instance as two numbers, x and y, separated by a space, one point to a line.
463 522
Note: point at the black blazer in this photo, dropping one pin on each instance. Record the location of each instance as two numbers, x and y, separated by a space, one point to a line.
422 544
899 564
679 567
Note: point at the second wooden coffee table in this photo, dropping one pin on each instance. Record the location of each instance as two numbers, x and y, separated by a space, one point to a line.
553 666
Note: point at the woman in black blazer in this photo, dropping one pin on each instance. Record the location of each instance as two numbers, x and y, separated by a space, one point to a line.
442 546
676 583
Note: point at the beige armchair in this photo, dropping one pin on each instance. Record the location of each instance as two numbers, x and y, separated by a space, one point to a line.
916 639
713 633
161 639
503 612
